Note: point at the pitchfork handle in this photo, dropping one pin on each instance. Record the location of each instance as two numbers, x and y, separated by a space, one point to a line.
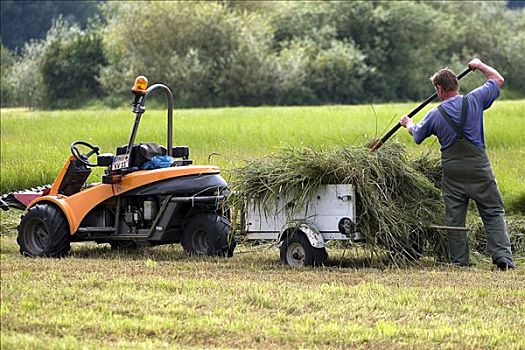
413 113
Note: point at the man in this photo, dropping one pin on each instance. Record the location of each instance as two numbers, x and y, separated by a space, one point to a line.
467 174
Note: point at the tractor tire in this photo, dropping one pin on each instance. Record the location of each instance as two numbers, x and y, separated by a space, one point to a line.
44 232
296 251
208 234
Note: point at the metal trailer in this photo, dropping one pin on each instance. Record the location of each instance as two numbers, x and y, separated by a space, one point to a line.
303 231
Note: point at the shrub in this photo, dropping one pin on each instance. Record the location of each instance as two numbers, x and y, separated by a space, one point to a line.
209 54
70 68
8 59
337 74
24 79
58 71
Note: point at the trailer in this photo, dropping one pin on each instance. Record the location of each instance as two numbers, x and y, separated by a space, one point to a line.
303 229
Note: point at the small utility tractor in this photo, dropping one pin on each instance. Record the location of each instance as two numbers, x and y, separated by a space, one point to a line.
149 195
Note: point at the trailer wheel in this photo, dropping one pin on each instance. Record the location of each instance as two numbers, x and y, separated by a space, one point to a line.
296 251
208 234
44 232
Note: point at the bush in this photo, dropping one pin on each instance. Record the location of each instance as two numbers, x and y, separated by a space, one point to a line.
58 71
24 79
209 54
403 43
8 59
489 31
292 75
337 74
248 53
70 68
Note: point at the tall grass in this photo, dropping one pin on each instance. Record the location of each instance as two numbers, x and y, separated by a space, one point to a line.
35 144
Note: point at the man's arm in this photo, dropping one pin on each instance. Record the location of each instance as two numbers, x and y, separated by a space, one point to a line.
488 71
407 123
419 131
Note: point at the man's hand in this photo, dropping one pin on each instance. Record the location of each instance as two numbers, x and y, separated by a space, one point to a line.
488 71
407 123
475 64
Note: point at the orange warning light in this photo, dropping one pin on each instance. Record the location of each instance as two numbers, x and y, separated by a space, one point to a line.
141 84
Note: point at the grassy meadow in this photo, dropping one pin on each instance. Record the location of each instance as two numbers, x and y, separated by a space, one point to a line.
158 298
35 144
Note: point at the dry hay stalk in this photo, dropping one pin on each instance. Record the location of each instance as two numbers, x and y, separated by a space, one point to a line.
396 200
515 229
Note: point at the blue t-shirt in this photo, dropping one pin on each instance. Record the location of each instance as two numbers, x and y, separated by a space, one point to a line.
477 101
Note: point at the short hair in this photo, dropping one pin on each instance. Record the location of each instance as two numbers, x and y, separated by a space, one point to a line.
445 78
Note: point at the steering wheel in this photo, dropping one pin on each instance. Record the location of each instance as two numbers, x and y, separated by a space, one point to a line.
84 157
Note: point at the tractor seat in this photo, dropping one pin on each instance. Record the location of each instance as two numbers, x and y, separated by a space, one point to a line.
142 153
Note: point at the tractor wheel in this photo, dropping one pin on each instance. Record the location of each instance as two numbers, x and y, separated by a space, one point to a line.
208 234
296 251
44 232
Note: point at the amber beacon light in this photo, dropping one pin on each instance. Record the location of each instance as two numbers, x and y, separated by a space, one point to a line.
141 84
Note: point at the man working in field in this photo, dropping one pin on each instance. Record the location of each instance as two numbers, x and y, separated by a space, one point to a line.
467 174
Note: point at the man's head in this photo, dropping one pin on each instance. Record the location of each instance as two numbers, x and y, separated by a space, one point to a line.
445 82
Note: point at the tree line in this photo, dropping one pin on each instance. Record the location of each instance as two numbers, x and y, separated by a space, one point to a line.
264 53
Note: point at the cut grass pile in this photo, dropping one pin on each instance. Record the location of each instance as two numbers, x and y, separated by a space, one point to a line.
515 229
395 201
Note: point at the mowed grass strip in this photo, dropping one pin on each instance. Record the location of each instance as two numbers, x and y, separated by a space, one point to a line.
160 298
35 144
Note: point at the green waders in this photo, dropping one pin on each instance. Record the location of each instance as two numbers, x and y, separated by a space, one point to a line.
467 174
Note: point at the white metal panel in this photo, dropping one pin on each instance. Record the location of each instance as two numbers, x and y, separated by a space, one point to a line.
273 235
324 209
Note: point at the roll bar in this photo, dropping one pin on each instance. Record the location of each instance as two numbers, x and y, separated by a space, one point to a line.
139 109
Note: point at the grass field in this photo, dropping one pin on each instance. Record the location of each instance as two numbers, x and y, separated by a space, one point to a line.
34 145
160 298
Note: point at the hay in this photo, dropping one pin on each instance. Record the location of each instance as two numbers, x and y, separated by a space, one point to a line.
515 229
429 167
395 199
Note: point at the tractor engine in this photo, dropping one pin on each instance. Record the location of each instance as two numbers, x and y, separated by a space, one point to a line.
138 213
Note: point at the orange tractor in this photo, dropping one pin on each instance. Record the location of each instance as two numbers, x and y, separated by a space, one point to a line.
149 195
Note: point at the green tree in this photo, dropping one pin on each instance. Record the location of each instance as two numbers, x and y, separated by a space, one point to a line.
209 54
70 68
22 21
402 43
490 31
24 79
251 53
59 70
8 59
337 74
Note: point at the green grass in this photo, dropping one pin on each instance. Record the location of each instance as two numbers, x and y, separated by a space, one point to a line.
160 298
35 144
